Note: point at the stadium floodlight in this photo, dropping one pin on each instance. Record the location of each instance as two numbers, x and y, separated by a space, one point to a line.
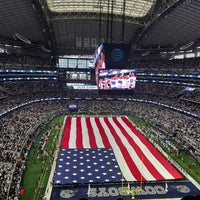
186 46
45 49
22 38
146 53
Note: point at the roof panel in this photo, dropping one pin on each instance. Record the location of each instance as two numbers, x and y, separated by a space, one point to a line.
177 27
133 8
20 17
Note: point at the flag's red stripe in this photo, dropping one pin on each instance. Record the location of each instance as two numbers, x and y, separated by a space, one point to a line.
102 133
66 134
91 135
79 137
155 152
155 173
130 163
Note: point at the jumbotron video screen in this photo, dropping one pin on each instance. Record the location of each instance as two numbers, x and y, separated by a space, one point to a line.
117 79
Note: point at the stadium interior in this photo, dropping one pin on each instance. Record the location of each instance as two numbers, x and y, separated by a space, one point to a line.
49 56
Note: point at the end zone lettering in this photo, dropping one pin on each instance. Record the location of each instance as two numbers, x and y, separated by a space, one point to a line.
114 191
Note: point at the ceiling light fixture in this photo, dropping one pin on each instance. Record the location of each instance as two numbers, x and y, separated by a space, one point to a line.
187 45
22 38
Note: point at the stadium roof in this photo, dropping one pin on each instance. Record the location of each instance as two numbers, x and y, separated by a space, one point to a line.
134 8
76 27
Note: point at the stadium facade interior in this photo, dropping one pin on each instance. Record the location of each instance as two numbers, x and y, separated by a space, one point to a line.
99 63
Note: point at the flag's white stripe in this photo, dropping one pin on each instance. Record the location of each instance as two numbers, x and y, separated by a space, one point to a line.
137 160
118 154
72 138
86 140
156 163
97 134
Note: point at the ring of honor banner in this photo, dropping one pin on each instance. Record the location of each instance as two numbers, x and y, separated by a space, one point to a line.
116 55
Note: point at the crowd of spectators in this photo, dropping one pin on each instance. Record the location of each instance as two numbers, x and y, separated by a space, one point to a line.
184 66
16 93
15 129
8 61
193 96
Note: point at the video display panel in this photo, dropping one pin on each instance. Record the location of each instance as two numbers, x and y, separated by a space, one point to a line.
116 55
111 56
116 79
99 60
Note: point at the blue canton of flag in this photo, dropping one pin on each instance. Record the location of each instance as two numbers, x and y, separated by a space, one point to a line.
87 166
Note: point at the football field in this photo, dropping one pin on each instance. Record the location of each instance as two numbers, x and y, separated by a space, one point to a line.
108 157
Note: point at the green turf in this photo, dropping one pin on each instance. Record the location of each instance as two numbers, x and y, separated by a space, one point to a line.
189 163
38 166
33 171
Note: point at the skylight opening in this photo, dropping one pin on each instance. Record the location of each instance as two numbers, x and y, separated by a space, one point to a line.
134 8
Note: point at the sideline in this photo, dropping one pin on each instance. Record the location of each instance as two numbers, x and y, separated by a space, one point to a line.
49 187
172 161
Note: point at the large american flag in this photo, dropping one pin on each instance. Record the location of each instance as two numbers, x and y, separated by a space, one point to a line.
107 149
